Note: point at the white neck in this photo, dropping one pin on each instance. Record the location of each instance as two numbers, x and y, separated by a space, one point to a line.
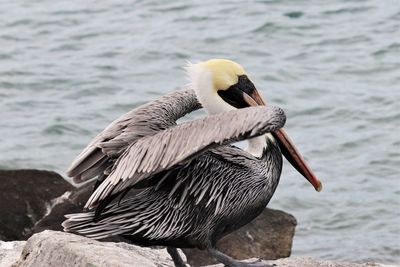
201 82
257 145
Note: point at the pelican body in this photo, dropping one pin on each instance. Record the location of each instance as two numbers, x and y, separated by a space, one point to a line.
191 185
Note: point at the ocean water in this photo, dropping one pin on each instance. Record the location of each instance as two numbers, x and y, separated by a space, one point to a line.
68 68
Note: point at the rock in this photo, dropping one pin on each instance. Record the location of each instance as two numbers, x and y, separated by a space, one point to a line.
26 196
72 202
10 252
51 248
269 236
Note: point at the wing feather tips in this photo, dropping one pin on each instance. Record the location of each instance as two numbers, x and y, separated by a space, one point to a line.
76 221
260 120
88 165
276 118
86 160
73 169
82 223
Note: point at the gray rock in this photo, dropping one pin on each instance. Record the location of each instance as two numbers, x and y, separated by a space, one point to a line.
25 197
10 252
269 236
72 202
51 248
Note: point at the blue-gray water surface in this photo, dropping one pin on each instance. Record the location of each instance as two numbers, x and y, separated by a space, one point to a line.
68 68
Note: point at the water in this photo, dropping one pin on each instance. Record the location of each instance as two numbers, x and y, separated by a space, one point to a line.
68 68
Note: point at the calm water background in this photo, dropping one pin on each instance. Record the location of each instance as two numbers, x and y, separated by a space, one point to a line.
68 68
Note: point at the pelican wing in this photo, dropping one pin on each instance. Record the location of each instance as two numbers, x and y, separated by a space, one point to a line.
99 157
175 145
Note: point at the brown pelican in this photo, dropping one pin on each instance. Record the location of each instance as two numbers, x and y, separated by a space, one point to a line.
194 187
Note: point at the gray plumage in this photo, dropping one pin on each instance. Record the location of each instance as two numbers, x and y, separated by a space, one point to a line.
100 155
197 187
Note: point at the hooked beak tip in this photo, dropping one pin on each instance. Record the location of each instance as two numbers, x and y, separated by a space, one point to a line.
319 187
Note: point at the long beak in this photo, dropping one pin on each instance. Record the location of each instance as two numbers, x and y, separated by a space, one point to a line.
287 146
291 153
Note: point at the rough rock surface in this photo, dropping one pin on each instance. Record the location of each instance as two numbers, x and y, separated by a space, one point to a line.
69 203
25 197
10 252
51 248
269 236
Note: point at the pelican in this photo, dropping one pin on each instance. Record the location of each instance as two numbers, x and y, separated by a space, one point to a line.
192 186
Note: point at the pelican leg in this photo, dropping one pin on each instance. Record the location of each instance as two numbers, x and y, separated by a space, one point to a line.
231 262
178 261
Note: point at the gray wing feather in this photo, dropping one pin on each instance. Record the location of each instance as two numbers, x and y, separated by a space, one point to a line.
145 120
165 149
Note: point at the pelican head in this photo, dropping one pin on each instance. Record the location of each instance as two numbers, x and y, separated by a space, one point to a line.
223 85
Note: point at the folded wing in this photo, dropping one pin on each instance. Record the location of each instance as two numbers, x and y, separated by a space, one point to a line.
175 145
99 157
